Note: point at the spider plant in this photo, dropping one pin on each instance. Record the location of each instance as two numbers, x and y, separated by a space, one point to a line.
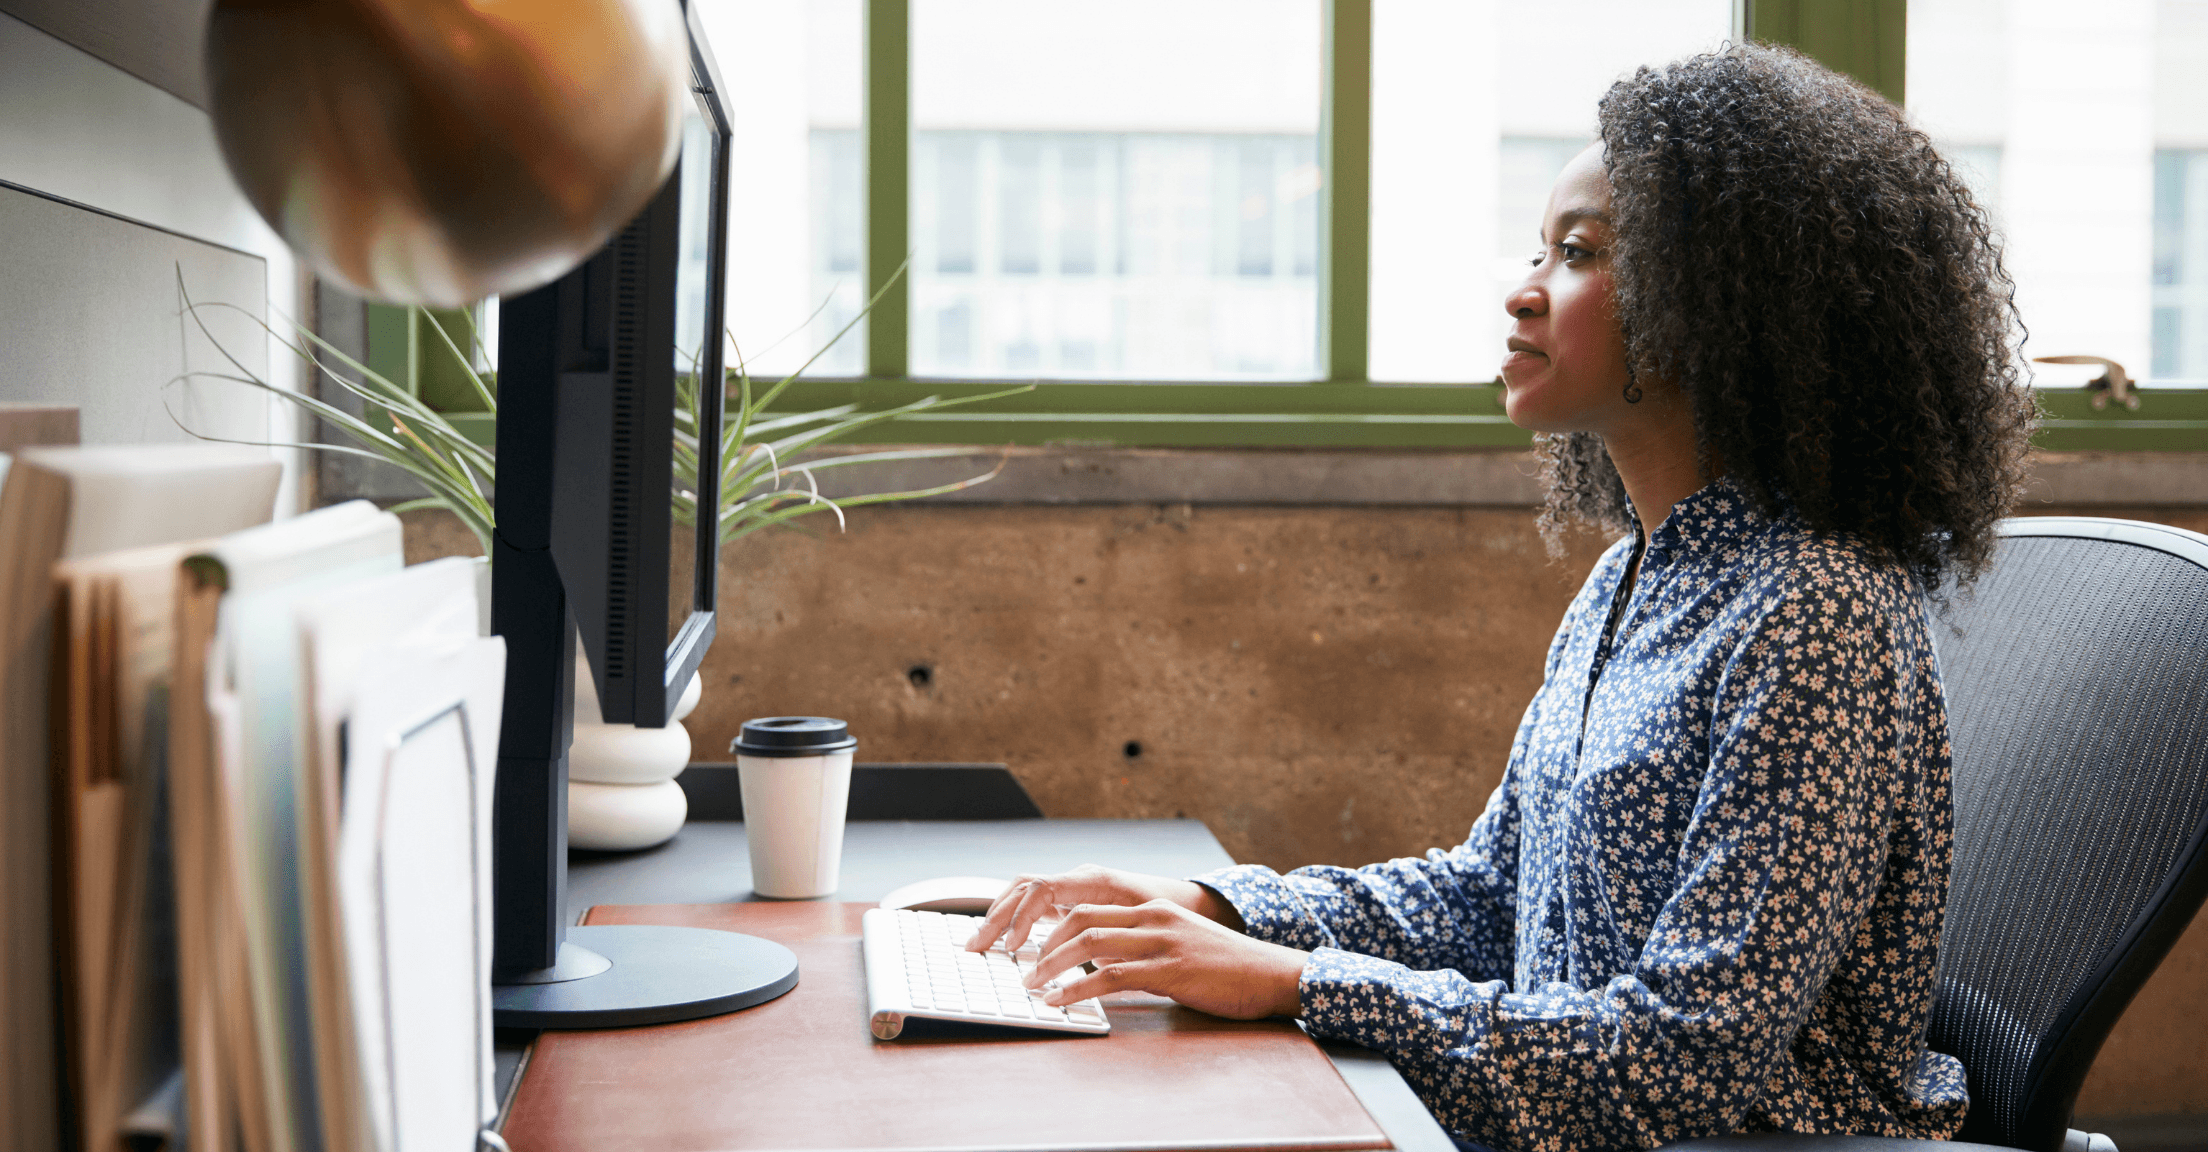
457 471
762 481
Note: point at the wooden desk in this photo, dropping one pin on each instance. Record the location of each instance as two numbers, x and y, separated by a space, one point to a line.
709 862
803 1072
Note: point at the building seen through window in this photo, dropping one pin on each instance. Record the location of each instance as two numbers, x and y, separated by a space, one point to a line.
1127 192
2085 129
1102 254
1133 192
2180 293
1476 107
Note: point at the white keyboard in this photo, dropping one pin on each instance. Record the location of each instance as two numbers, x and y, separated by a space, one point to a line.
917 965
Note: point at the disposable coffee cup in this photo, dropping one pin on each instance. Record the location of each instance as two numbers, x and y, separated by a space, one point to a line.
795 772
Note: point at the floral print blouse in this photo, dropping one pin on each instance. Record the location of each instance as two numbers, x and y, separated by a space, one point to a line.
1707 895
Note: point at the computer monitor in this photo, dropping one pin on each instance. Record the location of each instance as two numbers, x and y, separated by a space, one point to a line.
602 532
627 330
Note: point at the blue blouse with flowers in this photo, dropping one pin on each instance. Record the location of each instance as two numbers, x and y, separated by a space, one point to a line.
1706 896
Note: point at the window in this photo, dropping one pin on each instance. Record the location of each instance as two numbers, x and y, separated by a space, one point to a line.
1475 109
1122 193
1223 221
2081 127
2181 265
796 223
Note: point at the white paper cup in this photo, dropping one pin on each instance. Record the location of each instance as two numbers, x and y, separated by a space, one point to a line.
795 772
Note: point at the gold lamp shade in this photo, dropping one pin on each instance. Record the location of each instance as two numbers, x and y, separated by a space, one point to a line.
441 151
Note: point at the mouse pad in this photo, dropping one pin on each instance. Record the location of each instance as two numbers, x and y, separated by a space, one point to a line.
802 1071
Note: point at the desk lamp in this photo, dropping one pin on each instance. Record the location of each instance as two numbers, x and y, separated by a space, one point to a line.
441 151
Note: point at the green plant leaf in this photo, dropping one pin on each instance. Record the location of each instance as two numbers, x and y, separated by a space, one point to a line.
490 402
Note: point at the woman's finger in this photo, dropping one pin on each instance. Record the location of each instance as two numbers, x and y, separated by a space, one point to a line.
999 915
1037 902
1082 917
1122 976
1096 946
1031 898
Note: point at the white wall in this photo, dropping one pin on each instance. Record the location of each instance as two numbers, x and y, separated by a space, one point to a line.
85 131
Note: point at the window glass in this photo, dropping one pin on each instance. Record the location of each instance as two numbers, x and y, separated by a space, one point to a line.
796 218
2179 334
1477 105
1118 192
2084 126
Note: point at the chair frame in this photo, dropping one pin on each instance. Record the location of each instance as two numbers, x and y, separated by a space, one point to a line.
2083 1024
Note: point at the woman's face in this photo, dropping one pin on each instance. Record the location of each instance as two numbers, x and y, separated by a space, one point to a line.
1565 369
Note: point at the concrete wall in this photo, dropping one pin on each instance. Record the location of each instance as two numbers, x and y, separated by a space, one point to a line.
1318 683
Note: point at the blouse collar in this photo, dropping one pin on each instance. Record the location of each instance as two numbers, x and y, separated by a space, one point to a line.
1711 519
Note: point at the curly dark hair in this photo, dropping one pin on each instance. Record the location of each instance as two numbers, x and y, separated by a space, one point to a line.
1823 286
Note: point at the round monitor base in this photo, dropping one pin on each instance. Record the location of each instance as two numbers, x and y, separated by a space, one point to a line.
658 975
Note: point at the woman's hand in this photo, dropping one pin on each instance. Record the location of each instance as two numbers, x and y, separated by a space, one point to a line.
1166 949
1140 933
1030 898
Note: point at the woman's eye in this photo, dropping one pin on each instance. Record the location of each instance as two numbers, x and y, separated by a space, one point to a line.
1573 253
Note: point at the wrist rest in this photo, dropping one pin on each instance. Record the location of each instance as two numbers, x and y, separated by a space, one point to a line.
803 1071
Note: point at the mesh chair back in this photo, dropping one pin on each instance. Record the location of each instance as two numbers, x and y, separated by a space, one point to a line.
2077 695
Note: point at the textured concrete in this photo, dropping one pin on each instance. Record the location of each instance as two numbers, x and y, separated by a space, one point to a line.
1314 476
1313 684
1355 477
1317 684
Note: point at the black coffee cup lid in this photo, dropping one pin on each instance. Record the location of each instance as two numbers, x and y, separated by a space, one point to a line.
793 736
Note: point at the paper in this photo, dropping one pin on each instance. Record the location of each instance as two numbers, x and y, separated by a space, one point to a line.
252 692
433 603
422 747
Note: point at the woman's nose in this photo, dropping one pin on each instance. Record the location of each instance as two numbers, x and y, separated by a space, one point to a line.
1525 301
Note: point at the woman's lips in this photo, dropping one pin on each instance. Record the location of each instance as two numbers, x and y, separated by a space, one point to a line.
1520 360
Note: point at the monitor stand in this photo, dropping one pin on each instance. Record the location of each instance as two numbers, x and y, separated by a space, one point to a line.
619 976
605 976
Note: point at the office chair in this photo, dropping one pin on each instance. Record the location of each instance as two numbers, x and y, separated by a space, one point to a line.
2077 696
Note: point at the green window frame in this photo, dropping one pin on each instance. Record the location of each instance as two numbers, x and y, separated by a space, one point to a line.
1865 38
403 350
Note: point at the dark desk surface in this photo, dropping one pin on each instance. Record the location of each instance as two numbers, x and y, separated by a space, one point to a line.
708 862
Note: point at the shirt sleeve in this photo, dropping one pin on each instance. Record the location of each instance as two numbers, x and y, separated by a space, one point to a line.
1448 909
1780 862
1451 909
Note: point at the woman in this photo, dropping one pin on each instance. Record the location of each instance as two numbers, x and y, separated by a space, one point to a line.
1766 339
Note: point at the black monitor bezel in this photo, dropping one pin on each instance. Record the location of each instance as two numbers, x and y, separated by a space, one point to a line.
612 534
687 649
